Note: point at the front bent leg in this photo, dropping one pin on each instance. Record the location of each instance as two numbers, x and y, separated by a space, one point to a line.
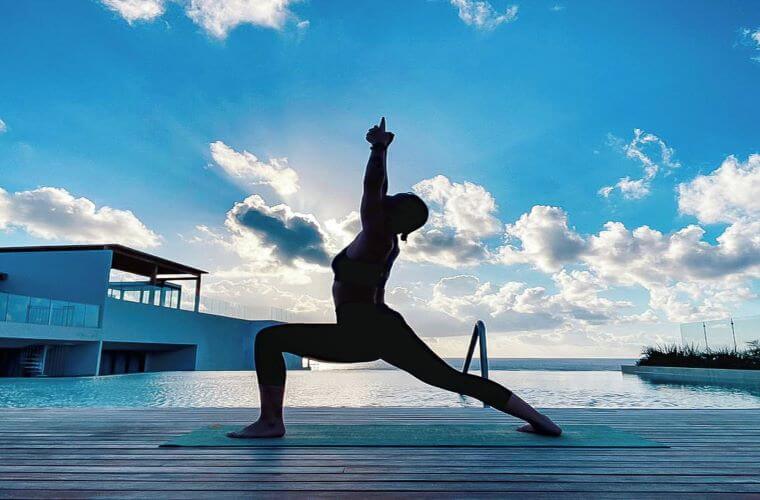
322 341
270 423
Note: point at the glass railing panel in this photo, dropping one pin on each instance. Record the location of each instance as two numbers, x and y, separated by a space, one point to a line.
39 311
721 334
92 316
79 314
62 313
3 305
18 309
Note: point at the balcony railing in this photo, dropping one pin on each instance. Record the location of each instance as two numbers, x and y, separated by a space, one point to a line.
44 311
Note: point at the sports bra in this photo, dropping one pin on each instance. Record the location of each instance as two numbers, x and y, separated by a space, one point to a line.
358 272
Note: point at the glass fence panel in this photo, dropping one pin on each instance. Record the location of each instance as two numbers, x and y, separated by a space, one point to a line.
729 333
39 311
3 305
79 314
18 308
92 316
62 313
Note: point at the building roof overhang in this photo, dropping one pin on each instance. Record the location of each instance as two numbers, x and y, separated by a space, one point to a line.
124 259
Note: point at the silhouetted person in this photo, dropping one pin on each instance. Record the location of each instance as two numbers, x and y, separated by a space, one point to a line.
367 329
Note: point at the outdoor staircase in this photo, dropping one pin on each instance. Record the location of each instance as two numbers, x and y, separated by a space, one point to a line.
32 361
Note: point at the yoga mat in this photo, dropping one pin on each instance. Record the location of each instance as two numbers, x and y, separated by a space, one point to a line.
409 435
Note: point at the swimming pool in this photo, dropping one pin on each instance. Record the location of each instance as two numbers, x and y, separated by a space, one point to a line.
364 387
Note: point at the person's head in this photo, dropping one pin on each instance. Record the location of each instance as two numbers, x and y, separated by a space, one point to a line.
406 213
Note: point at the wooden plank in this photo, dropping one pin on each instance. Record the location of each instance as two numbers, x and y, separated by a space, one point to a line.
100 453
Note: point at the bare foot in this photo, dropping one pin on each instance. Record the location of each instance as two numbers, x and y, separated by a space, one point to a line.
260 429
547 428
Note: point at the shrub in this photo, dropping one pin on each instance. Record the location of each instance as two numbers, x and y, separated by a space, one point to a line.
693 357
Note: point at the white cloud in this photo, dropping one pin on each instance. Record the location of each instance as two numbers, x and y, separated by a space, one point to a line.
247 170
653 155
546 240
687 277
3 126
461 215
342 231
751 37
216 17
277 232
482 15
663 264
444 248
252 292
54 214
137 10
458 301
728 194
467 208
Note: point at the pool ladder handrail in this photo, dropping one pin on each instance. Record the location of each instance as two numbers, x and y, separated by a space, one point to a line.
478 337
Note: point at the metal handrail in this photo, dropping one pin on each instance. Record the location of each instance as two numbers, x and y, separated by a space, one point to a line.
478 334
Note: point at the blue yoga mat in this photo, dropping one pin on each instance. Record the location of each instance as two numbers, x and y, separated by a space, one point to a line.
410 435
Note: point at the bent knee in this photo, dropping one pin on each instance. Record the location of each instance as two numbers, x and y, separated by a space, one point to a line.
268 337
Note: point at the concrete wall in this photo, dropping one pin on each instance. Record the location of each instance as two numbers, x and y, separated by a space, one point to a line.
222 343
701 375
73 360
10 331
179 360
76 276
214 342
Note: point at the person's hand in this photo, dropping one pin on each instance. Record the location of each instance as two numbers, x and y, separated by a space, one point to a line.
378 137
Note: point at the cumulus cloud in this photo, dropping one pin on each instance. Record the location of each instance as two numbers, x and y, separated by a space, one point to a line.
342 231
137 10
728 194
277 231
660 263
54 214
444 248
216 17
460 300
461 215
750 37
652 154
3 126
545 240
245 296
247 170
648 257
467 208
482 15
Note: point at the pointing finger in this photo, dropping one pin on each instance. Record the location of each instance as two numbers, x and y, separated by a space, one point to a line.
382 124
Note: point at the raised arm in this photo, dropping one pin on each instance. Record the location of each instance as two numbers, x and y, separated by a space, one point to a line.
375 179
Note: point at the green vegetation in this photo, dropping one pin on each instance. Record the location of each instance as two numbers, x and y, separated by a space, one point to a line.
694 357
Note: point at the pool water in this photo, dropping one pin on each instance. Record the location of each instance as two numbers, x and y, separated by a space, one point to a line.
366 387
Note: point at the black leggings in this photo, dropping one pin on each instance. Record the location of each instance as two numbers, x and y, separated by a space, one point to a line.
367 332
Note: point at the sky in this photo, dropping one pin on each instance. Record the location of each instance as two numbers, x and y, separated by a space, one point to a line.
592 168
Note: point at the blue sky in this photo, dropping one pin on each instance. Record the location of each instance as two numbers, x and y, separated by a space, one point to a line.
516 105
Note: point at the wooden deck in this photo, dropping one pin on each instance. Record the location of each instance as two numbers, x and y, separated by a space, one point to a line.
97 453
